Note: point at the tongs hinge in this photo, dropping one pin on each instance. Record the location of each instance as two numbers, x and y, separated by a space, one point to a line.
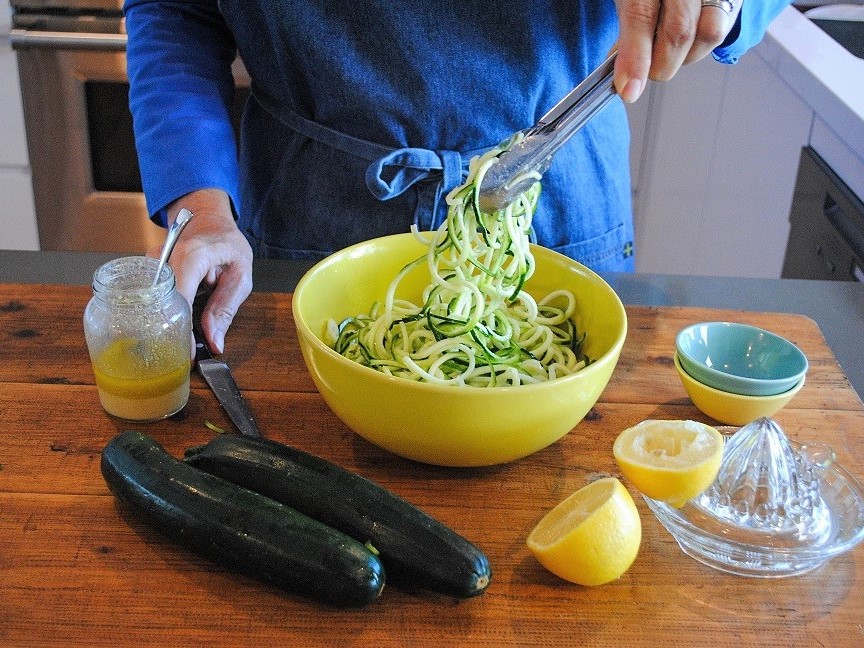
520 167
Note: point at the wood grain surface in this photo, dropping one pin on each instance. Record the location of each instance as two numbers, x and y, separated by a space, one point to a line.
76 568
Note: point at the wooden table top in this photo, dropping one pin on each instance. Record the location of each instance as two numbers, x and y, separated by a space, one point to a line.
77 569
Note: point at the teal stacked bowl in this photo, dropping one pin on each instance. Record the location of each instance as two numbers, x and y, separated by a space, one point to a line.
740 359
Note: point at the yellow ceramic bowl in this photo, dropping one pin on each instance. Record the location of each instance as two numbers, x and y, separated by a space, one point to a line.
442 425
729 408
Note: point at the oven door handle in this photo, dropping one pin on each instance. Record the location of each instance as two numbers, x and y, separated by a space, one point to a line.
24 38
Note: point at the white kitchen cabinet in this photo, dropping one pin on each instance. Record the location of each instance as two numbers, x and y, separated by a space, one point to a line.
18 230
13 140
718 150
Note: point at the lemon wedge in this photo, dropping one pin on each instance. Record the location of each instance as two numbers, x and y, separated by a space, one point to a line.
670 461
590 538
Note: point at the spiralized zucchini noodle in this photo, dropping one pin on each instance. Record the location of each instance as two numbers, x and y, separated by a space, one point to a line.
474 325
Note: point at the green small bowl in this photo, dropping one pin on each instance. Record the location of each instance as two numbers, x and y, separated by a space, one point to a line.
740 359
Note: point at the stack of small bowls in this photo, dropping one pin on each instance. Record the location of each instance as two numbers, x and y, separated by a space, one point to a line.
737 373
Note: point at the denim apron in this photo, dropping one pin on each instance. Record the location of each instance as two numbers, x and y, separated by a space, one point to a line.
365 114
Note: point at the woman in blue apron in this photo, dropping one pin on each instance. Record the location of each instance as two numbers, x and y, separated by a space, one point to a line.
364 114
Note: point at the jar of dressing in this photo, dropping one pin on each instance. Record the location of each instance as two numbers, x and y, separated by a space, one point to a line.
139 336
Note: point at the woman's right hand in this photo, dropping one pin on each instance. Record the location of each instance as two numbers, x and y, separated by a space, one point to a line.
212 252
656 38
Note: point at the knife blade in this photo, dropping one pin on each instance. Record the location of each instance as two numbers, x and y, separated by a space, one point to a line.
217 375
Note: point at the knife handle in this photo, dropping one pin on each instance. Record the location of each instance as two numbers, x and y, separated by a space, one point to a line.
202 349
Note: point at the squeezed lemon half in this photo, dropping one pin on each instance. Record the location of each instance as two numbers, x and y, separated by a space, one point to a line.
670 461
590 538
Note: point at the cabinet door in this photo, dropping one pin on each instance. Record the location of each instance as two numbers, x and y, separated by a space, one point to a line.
5 18
718 170
13 140
17 215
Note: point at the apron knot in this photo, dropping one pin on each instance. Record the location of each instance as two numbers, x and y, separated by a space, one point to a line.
437 171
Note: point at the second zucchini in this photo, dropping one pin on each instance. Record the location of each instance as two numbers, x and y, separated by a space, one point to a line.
417 551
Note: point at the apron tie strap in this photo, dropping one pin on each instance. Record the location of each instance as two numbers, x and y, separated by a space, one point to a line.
392 171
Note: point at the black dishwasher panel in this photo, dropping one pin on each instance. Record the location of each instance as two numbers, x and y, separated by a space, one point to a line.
826 237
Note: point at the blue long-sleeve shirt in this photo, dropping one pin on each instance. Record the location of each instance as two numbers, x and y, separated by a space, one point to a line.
364 113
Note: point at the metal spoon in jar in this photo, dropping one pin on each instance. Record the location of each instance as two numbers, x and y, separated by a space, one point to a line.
171 239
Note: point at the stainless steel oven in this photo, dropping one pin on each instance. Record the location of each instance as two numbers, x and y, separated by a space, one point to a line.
86 183
826 236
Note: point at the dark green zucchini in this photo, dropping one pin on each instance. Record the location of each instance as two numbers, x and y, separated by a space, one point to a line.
238 528
418 552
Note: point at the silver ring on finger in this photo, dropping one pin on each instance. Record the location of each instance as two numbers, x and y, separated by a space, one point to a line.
725 6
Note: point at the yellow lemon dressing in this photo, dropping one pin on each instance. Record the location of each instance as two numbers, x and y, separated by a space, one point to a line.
142 380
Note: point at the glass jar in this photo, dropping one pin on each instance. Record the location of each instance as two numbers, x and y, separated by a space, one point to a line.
139 337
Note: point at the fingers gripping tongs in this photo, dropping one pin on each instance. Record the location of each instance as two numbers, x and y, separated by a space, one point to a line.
523 165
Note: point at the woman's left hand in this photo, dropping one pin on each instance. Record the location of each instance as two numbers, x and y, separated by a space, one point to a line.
656 38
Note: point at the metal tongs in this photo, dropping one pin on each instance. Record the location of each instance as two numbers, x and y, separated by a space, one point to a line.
523 165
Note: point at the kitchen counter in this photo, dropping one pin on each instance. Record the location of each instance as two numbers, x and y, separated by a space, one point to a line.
824 73
828 78
80 568
837 307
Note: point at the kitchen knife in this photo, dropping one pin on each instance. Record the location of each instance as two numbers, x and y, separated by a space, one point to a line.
217 374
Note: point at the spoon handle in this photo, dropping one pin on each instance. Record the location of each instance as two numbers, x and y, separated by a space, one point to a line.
183 217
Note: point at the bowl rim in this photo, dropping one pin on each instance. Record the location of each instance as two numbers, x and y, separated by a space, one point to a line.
739 387
737 378
613 352
732 395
